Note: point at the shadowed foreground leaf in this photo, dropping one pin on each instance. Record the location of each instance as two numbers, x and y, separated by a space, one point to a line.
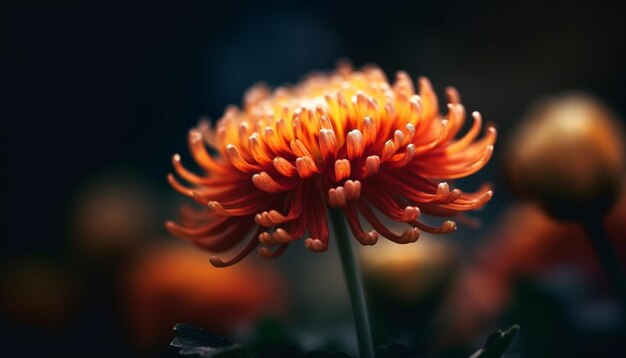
195 341
497 343
393 349
325 354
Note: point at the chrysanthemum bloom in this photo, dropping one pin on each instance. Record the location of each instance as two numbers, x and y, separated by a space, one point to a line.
347 139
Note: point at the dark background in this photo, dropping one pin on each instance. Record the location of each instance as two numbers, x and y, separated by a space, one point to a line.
94 87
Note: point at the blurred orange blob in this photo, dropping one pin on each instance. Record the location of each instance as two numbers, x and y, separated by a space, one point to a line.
526 244
568 155
407 273
113 215
37 294
174 283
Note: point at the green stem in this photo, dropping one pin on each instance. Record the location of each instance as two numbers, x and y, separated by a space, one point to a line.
352 273
599 239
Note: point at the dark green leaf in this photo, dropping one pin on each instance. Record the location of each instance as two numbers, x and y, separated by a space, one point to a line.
393 349
325 354
196 341
497 343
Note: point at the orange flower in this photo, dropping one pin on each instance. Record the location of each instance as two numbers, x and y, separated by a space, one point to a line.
347 139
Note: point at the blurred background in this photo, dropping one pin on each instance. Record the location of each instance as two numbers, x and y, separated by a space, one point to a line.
99 95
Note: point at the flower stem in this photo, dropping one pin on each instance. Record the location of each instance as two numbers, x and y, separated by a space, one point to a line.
352 273
599 239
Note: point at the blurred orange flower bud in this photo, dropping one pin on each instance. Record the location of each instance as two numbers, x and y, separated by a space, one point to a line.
406 274
568 155
173 283
113 215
